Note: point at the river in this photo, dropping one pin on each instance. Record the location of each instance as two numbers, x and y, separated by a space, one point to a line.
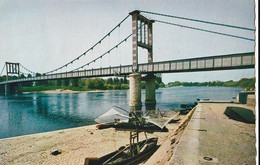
35 113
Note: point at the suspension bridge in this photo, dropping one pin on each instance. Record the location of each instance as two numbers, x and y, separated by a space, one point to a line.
142 37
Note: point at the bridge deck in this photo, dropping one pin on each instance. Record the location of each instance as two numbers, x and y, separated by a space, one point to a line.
223 62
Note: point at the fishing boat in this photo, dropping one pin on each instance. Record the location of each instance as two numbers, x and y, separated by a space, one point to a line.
126 155
136 151
149 127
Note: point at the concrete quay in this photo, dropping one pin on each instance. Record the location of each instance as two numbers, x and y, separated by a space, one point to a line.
212 138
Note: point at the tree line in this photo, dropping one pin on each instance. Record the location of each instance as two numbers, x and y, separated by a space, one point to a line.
247 83
78 84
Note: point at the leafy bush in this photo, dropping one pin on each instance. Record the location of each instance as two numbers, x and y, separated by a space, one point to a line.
124 86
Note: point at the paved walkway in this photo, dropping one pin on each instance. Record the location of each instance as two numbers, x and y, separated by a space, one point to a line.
212 138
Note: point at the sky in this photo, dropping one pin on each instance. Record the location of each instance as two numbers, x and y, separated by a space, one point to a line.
44 35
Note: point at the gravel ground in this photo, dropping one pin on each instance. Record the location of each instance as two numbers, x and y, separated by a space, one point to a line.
75 145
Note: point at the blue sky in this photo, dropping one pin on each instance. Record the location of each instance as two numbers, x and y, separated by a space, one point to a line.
43 35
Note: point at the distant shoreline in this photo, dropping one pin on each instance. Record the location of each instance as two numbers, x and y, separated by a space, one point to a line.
64 91
67 91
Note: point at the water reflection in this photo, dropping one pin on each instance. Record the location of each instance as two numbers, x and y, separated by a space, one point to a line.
33 113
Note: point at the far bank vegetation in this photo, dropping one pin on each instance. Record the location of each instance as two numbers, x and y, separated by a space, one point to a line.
116 83
78 84
247 83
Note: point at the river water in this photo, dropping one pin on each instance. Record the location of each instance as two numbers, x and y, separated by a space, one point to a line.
35 113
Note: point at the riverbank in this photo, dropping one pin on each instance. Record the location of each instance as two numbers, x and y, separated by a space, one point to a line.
56 91
75 145
61 91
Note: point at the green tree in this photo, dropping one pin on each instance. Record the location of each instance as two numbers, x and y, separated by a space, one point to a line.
110 81
59 82
75 82
22 76
96 83
116 81
65 82
99 83
125 80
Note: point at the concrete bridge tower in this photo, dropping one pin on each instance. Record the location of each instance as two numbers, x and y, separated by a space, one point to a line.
11 88
142 36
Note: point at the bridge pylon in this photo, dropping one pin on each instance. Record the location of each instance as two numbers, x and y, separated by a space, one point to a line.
12 69
142 36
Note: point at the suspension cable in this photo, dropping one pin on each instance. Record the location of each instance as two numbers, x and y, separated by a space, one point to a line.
27 69
209 31
23 73
201 21
107 52
83 54
2 70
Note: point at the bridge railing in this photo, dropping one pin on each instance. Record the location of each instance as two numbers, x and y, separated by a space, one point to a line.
224 62
109 71
236 61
